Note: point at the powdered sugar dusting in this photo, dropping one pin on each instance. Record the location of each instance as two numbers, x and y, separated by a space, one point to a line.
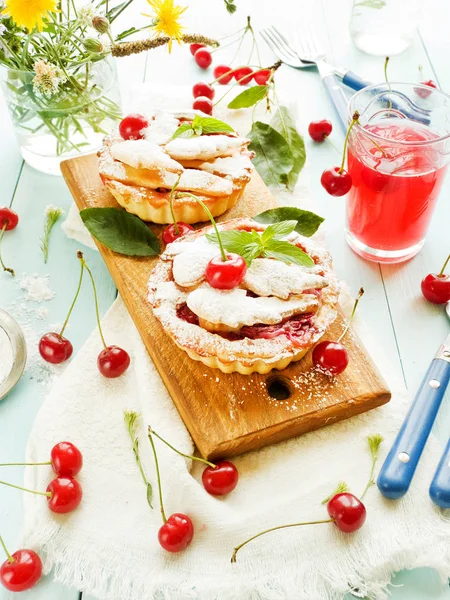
37 287
204 147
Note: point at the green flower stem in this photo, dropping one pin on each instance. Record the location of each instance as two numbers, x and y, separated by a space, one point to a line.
158 476
131 418
211 218
441 272
10 558
73 301
374 442
18 487
349 322
4 267
94 288
25 464
202 460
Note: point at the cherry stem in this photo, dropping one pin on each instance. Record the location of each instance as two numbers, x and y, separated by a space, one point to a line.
236 550
24 464
172 212
94 288
211 218
18 487
386 61
441 272
10 558
4 267
158 476
349 322
74 300
350 127
203 460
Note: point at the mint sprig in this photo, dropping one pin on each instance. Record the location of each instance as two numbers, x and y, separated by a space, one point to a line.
201 126
251 244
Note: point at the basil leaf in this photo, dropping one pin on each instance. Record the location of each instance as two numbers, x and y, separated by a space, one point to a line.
274 159
150 494
184 130
120 231
284 124
249 97
287 253
211 125
278 230
307 222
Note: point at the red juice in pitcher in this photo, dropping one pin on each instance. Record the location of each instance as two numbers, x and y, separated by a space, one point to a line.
394 192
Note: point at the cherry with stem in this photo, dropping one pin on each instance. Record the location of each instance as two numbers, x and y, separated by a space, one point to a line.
8 221
436 286
218 479
66 460
177 228
63 494
21 570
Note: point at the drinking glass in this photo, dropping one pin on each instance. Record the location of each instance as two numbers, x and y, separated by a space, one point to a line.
398 154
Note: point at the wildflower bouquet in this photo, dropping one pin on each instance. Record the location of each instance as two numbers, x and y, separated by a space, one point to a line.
60 81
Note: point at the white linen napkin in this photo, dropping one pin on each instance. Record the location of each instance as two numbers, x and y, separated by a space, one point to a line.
108 546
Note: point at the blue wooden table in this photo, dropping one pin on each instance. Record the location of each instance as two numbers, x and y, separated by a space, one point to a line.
409 329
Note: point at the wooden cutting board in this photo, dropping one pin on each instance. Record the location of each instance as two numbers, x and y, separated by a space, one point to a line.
230 414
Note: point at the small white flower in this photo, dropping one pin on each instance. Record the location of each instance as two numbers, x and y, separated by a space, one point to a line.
85 15
52 210
48 78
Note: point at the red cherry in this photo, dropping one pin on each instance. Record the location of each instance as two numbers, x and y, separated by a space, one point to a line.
262 77
67 460
425 93
130 128
221 479
436 288
336 182
240 75
176 534
348 512
225 274
320 130
23 572
113 361
203 58
9 217
330 358
220 74
194 47
203 89
169 234
204 104
65 496
55 348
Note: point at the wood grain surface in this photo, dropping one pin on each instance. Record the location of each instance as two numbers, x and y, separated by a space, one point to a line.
228 414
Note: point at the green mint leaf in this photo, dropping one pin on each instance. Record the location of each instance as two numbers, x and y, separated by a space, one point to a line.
198 130
120 231
243 243
184 130
278 230
307 222
287 253
274 159
211 125
249 97
285 125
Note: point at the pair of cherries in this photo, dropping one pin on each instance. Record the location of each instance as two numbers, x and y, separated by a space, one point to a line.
23 569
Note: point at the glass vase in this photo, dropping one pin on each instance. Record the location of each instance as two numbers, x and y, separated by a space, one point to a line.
70 120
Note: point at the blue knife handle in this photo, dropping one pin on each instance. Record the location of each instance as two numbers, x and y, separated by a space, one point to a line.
401 462
338 97
352 80
440 486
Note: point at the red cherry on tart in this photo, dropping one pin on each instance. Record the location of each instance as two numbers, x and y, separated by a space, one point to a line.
65 495
55 348
330 357
113 362
336 181
436 286
194 47
130 128
66 459
223 74
170 233
203 58
203 89
8 218
176 533
241 73
348 512
320 130
225 274
22 571
220 479
204 104
262 77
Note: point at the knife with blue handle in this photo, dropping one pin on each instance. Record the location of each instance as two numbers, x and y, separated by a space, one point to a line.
440 486
398 469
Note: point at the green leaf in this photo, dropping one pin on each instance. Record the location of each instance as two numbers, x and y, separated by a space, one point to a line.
274 159
211 125
278 230
120 231
150 494
243 243
307 222
287 253
284 124
249 97
185 131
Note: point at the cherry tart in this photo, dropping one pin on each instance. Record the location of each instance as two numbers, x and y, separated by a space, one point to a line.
275 315
140 173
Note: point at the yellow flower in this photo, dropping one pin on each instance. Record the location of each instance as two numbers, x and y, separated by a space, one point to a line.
29 13
167 16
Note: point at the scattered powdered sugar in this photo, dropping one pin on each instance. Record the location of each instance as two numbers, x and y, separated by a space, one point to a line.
37 287
6 356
